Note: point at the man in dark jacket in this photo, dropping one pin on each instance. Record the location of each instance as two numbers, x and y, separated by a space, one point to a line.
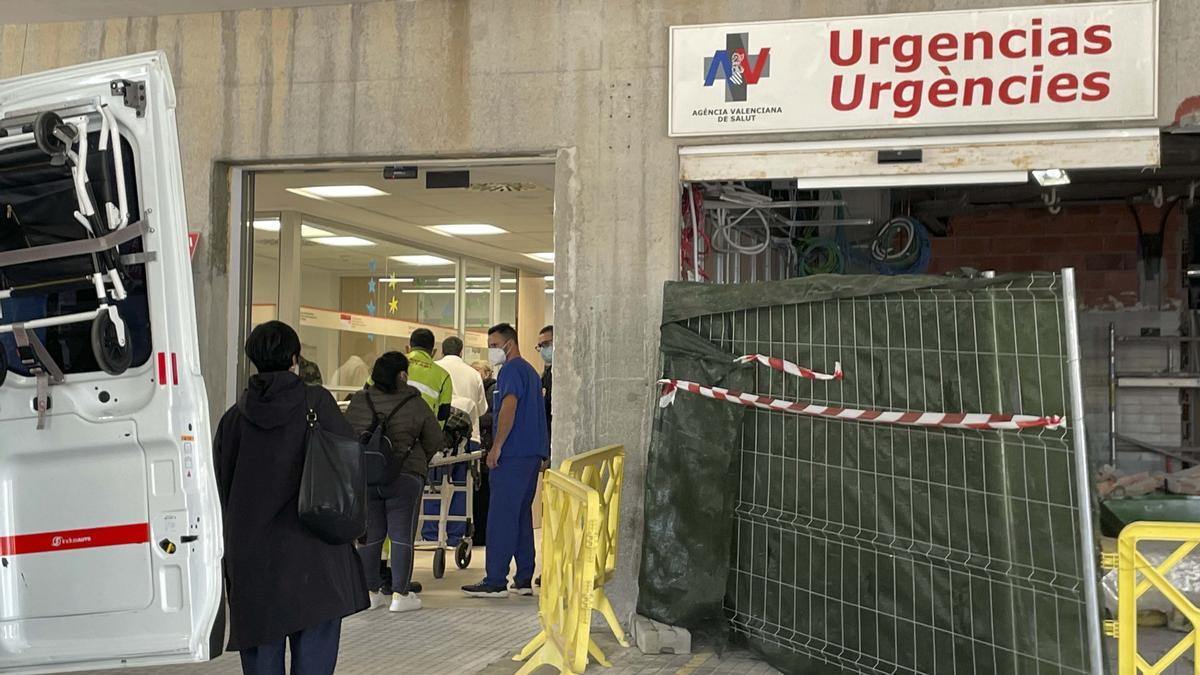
393 508
283 582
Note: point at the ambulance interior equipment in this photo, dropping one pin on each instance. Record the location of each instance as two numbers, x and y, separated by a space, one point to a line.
64 227
110 523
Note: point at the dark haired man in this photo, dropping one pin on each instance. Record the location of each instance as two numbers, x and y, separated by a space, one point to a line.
519 447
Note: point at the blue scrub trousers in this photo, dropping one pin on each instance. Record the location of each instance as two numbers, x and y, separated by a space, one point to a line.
510 520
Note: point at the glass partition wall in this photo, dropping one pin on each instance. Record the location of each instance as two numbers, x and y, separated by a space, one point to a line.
355 296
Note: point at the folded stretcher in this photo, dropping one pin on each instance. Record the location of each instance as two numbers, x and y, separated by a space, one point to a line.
64 225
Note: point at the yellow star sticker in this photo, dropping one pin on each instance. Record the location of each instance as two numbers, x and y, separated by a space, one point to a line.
392 282
393 306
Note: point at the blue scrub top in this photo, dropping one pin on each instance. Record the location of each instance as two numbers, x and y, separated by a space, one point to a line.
529 437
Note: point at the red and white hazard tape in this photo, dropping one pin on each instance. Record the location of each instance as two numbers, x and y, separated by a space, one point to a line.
791 368
919 419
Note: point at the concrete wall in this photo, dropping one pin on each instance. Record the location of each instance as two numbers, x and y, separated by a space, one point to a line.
583 78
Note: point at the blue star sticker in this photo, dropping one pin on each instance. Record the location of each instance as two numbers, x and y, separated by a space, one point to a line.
371 337
371 308
371 286
371 265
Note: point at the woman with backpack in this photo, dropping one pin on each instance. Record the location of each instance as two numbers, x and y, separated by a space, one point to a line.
393 421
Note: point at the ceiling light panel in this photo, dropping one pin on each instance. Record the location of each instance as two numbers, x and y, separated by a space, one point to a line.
421 260
342 241
310 232
337 191
467 229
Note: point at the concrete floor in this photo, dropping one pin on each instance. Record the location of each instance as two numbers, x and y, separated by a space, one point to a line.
460 635
454 634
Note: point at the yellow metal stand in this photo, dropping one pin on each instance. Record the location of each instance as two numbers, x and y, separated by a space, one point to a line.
571 531
1130 563
603 470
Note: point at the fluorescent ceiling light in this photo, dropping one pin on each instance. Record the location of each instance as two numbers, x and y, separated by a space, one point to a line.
508 280
548 277
549 291
466 229
547 257
267 224
337 191
509 290
396 280
310 232
473 280
1051 177
421 260
342 241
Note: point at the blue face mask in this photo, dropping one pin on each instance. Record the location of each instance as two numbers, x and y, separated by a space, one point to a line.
547 353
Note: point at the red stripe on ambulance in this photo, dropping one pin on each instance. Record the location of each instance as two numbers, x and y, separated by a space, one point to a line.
70 540
162 368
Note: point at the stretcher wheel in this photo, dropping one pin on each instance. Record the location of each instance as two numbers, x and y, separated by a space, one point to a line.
439 563
462 554
3 364
110 355
44 126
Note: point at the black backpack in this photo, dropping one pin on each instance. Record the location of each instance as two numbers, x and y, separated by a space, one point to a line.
382 461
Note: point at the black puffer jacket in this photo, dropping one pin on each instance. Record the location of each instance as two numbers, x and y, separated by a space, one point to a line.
281 577
413 425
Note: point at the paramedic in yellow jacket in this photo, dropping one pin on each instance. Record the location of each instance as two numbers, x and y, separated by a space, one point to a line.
427 377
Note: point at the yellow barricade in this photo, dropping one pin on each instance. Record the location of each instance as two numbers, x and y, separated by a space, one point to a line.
571 524
603 470
1130 564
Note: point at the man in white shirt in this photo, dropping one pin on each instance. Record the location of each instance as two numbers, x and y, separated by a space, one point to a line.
468 385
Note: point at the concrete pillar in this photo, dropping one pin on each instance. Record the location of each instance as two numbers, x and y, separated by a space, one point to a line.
531 312
289 268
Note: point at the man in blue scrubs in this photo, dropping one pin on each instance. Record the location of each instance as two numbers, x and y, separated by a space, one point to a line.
520 445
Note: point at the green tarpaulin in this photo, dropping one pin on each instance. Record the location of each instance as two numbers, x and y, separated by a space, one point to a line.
841 546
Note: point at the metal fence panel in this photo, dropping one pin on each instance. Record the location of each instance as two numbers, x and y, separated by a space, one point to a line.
887 549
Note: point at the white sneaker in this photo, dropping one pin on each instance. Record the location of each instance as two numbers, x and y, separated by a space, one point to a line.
405 603
377 600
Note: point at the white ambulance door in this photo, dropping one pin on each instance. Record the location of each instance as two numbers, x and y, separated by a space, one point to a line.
110 530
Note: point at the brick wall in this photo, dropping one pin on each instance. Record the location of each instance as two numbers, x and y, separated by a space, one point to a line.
1100 242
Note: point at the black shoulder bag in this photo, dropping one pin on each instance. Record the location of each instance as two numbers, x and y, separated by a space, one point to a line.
333 488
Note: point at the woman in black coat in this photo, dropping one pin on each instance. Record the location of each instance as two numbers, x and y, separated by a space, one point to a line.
283 582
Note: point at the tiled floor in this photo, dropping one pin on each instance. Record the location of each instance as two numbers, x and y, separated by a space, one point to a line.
457 635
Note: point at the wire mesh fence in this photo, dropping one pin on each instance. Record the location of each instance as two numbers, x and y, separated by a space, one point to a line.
888 549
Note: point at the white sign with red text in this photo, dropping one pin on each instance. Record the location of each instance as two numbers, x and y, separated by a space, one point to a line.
1058 63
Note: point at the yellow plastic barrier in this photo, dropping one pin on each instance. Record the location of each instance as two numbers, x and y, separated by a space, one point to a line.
1129 564
603 470
571 525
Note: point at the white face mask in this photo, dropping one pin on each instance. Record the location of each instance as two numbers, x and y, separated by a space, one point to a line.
547 353
496 356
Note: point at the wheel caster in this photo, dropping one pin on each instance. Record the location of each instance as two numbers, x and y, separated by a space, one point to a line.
439 563
112 358
46 127
462 554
